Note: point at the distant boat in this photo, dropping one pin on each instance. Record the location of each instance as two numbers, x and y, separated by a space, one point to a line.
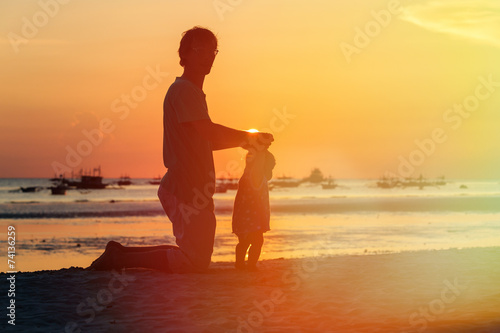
329 185
315 177
419 182
155 181
31 189
89 181
59 186
422 182
125 180
284 182
228 183
385 182
58 189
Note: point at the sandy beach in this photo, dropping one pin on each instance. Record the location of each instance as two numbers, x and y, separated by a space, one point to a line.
453 290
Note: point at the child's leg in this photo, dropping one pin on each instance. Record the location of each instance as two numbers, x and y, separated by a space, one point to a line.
241 250
256 240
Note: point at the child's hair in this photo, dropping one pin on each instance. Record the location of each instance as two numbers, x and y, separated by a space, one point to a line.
259 165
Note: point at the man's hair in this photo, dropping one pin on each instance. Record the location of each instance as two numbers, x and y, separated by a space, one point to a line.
196 33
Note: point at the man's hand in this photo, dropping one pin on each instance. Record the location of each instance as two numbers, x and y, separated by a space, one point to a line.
258 141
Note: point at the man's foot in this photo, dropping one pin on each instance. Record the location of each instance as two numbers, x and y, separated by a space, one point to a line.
107 260
240 266
115 244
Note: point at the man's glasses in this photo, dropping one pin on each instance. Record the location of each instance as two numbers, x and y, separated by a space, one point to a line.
204 50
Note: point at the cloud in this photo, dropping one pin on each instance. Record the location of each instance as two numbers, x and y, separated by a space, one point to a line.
477 20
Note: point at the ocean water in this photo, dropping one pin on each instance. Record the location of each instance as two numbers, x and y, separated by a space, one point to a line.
356 218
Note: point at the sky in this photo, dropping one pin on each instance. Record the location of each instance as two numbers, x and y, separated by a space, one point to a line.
358 89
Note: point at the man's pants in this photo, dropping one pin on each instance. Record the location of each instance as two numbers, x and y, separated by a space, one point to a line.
194 231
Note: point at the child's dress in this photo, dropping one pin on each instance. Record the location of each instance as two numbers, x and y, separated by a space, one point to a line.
251 205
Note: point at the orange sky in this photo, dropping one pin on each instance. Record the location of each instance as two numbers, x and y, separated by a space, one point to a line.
355 104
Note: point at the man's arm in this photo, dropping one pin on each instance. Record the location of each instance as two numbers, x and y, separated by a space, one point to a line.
221 145
217 145
223 137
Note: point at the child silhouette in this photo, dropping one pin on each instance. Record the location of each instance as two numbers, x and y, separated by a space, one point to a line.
251 212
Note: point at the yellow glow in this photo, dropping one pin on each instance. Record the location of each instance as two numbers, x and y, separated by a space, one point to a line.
352 119
253 130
